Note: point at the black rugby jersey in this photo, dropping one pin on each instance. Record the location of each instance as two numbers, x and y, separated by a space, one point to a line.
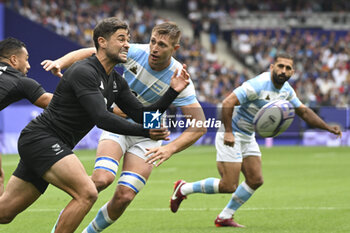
14 86
82 99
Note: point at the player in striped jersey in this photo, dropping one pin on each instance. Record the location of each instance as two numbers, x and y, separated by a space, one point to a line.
148 70
237 149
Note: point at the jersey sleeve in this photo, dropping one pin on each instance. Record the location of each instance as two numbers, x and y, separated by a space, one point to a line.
245 93
83 81
31 89
293 99
132 107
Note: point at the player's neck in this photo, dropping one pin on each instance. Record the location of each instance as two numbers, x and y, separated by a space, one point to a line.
107 64
277 86
159 67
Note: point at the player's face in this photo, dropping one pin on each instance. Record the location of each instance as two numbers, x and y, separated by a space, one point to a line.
22 63
281 71
161 50
118 46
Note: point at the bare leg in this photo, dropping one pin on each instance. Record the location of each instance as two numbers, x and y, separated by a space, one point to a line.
123 195
2 178
69 175
229 172
252 171
18 196
103 178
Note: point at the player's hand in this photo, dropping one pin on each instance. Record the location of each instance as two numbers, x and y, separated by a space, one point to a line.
2 180
52 66
159 134
161 153
335 129
229 139
180 81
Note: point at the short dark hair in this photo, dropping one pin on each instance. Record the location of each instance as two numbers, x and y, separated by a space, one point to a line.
10 46
284 55
168 28
107 27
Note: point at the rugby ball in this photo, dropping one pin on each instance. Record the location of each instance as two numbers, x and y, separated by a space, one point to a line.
274 118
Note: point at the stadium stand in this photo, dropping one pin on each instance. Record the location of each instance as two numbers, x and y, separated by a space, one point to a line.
213 80
322 62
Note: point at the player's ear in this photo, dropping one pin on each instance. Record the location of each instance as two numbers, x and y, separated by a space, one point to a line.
14 60
177 46
293 71
102 42
271 67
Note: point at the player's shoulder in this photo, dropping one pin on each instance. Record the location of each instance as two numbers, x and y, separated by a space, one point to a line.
176 64
138 50
287 88
261 78
86 66
260 81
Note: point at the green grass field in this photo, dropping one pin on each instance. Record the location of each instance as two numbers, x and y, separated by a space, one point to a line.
306 190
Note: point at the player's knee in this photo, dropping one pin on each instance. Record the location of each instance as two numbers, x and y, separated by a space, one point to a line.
88 196
227 187
256 183
125 195
104 173
6 217
103 181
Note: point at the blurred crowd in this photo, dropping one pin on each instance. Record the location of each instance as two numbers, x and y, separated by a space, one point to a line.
76 20
233 6
322 61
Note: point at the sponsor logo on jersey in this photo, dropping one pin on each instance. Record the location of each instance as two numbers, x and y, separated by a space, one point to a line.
56 148
2 68
115 87
134 69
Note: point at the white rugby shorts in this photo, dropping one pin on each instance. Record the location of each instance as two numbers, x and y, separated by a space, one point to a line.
133 144
244 146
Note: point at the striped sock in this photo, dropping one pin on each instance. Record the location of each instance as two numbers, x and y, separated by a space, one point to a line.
239 197
209 186
100 222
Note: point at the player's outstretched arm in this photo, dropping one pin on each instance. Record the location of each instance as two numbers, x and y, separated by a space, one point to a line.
44 100
96 108
133 108
67 60
227 110
314 120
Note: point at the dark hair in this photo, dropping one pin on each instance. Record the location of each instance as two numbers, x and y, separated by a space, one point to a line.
283 55
107 27
10 46
168 28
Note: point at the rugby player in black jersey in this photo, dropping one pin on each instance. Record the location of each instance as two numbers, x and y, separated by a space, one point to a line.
82 99
14 84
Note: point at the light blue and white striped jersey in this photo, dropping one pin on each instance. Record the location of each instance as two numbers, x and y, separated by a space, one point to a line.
150 85
255 93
